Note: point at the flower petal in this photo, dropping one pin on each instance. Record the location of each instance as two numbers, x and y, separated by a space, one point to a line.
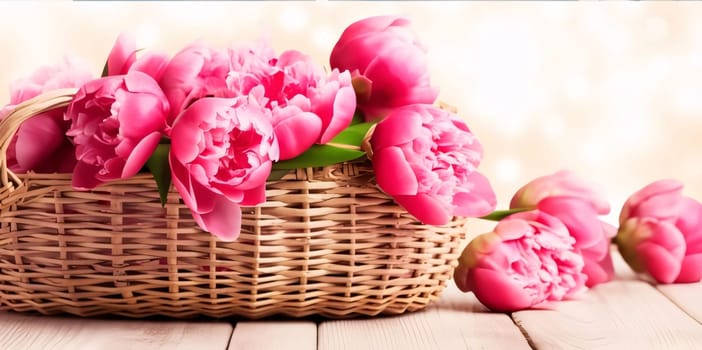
296 133
503 294
691 269
400 127
393 172
122 55
140 154
481 199
223 221
425 208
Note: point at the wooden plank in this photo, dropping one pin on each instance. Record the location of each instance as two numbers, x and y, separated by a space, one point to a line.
457 321
19 331
688 297
624 313
274 335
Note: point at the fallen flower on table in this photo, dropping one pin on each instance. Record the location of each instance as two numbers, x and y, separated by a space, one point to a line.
528 260
660 233
579 206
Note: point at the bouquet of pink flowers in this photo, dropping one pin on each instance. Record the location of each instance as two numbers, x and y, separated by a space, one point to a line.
217 124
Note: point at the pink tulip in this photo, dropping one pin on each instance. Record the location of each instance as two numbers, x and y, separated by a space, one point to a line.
308 105
578 206
527 261
196 71
426 159
40 144
388 65
221 156
660 233
116 124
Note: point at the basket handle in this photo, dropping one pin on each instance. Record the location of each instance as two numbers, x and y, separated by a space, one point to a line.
21 113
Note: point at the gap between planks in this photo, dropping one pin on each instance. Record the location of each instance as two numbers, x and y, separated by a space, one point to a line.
624 313
456 321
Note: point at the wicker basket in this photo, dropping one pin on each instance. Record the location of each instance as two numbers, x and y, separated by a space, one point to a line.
327 242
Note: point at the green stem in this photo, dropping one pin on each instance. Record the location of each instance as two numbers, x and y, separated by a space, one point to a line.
498 215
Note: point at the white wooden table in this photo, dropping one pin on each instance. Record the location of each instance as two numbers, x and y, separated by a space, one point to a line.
624 314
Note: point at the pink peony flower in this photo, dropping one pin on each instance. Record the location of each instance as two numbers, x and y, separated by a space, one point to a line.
388 65
221 155
527 261
308 105
578 206
116 124
426 159
196 71
40 144
660 233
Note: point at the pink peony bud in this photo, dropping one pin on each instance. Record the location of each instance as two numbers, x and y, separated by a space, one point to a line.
527 261
660 233
427 159
388 65
221 156
123 58
116 124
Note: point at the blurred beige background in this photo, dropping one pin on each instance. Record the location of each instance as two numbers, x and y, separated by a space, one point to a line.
612 91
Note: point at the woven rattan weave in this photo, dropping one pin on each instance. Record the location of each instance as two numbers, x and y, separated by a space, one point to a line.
327 242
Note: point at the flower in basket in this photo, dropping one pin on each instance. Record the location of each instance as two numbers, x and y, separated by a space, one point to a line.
576 204
194 72
388 65
40 144
214 123
116 124
660 233
528 260
426 158
221 155
308 106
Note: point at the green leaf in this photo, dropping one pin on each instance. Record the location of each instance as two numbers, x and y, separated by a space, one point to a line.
277 174
498 215
319 156
353 135
159 167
